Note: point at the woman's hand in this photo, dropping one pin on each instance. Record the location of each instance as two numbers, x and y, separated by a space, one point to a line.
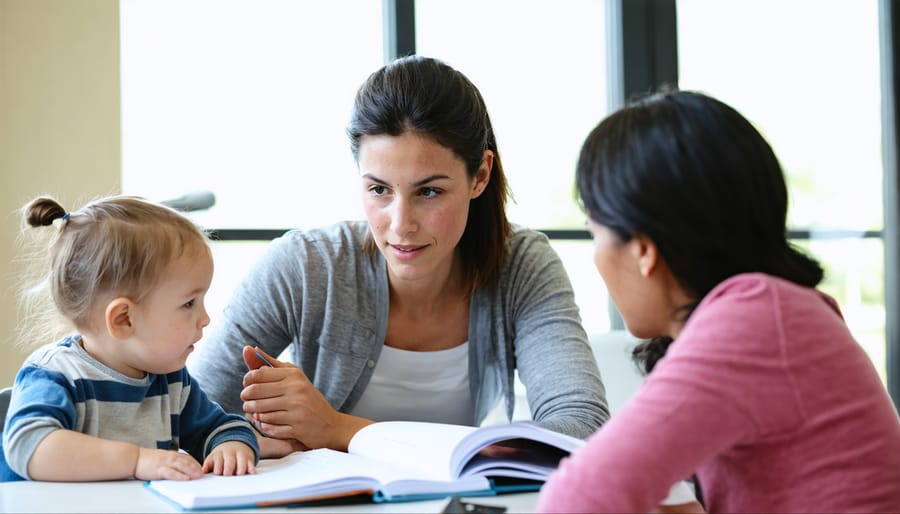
282 403
270 448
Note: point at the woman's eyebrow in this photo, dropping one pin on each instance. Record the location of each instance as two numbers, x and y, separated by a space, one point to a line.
422 182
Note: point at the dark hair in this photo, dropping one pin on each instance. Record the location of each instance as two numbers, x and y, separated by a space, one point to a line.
426 96
696 177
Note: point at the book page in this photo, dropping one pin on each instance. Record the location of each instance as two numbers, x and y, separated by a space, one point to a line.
446 453
299 475
524 442
426 447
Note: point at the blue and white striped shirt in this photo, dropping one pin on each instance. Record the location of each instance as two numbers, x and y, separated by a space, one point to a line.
61 386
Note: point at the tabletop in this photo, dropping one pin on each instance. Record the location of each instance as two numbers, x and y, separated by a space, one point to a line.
131 496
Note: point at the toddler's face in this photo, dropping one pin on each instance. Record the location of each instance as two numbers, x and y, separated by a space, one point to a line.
170 319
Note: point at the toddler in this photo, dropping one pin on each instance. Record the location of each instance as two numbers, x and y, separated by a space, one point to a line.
114 400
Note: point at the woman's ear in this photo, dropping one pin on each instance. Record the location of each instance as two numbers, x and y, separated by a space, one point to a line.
483 175
118 318
646 253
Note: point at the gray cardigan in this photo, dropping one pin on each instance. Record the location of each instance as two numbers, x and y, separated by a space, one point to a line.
319 293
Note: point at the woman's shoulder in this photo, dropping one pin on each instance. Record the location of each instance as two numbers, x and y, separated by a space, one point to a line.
340 233
336 250
531 263
527 242
343 240
760 302
528 252
522 233
763 287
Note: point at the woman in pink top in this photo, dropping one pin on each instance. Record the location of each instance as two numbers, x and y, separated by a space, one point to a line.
757 386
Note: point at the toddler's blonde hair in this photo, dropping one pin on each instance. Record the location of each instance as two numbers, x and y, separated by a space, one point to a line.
113 246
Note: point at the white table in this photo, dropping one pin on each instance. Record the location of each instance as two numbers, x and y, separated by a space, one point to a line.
131 496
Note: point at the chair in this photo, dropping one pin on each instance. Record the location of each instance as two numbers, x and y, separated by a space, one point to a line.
620 375
5 395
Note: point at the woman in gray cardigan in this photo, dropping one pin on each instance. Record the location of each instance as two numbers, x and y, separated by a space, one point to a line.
422 312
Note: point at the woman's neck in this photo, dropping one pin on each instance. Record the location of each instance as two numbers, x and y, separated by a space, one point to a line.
429 318
430 295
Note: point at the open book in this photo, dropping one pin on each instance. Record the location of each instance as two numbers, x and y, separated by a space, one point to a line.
390 461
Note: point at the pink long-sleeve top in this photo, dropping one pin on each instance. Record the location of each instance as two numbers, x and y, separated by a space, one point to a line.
767 396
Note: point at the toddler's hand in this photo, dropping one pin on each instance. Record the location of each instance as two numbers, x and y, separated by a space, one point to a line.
153 464
230 458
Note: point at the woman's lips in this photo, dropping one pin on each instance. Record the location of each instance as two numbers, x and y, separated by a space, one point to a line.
407 252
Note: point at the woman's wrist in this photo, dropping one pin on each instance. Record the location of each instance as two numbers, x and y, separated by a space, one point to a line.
348 426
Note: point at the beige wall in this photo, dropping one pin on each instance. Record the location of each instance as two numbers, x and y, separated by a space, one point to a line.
59 120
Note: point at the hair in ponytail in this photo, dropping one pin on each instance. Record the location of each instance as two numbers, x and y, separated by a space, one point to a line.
113 246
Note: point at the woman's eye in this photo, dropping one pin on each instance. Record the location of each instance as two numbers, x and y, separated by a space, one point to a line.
429 192
378 190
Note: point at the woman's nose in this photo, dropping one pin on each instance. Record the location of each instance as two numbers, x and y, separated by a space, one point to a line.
403 220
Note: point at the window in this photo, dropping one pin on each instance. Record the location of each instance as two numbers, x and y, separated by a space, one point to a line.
806 73
250 101
541 68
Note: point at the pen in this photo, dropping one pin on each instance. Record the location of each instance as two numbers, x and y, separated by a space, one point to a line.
265 360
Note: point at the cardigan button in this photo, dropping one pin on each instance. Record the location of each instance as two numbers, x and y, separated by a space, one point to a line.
371 363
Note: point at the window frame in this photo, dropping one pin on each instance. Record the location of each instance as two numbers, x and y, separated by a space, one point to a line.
889 35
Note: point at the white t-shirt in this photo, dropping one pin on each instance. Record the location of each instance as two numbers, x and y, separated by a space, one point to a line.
419 386
680 494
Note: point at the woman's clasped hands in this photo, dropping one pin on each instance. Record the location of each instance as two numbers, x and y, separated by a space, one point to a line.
288 410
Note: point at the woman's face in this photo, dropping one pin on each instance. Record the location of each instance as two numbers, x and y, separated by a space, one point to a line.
416 196
632 273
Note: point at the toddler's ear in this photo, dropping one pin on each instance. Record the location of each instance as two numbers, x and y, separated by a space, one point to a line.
118 318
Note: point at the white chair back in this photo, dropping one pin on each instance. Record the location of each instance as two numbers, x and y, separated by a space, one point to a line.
619 373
